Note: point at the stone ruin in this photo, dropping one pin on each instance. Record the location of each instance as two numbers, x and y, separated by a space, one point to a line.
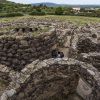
16 52
30 73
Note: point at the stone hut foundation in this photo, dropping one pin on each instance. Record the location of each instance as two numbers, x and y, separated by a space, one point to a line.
32 73
41 80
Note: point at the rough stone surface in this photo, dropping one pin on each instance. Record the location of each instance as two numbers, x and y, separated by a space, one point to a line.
30 75
16 52
59 73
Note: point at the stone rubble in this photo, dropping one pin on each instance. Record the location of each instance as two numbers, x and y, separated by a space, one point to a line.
30 72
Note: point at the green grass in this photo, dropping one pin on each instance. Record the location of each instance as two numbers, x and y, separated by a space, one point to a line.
79 20
12 19
75 19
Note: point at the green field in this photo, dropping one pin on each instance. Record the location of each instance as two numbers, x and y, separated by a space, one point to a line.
75 19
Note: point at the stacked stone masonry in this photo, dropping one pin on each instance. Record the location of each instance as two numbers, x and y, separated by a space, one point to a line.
16 52
39 78
31 72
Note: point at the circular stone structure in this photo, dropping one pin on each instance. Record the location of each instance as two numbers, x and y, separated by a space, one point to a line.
55 77
33 78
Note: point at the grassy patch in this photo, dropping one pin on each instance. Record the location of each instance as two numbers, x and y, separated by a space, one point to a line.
75 19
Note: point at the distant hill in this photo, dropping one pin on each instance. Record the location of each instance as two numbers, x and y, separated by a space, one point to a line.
6 2
85 6
2 1
49 4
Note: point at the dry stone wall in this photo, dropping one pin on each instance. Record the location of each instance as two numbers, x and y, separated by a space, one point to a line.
37 80
46 83
16 52
85 45
33 78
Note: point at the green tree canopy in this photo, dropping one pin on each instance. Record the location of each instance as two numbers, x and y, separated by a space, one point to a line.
59 11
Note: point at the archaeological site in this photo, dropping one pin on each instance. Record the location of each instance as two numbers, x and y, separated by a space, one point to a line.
49 60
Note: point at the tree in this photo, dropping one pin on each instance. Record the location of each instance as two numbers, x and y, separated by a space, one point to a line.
38 10
82 10
59 11
69 11
97 13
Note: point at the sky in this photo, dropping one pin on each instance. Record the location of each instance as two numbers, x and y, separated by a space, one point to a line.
97 2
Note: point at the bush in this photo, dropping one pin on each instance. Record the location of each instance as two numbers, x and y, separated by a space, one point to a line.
10 14
37 13
50 13
59 11
14 14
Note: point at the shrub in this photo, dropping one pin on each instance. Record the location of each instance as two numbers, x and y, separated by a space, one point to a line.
10 14
36 12
59 11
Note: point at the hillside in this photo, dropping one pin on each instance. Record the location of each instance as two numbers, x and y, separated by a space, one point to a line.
50 4
6 2
3 1
10 7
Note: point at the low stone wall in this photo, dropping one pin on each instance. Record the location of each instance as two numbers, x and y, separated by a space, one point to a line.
86 45
38 79
41 79
48 82
16 52
93 58
86 49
